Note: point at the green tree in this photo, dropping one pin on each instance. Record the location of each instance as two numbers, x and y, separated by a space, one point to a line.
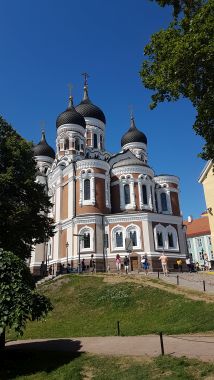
19 301
24 205
180 63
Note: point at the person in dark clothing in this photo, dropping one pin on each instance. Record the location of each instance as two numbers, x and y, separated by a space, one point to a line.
126 264
83 265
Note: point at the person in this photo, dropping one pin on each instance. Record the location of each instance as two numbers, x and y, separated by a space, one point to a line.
145 263
164 259
83 265
180 266
206 264
92 264
197 266
188 263
126 264
118 263
43 269
50 270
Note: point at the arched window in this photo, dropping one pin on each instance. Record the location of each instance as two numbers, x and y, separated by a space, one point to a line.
170 240
119 239
66 145
86 241
127 194
163 202
145 198
77 144
95 140
160 239
133 236
87 192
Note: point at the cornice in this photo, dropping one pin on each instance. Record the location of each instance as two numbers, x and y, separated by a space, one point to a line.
161 179
132 169
92 163
70 128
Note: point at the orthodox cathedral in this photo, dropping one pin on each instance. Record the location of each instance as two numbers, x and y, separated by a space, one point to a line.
105 204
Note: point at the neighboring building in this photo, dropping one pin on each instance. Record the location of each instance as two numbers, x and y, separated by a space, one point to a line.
199 240
108 199
207 180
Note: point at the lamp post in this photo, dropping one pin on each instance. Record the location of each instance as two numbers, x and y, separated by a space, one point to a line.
81 237
67 245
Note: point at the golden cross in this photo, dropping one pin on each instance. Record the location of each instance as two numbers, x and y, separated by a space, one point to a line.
86 76
42 125
70 86
131 110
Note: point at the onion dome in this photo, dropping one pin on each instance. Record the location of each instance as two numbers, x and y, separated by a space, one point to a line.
133 135
88 109
70 116
43 149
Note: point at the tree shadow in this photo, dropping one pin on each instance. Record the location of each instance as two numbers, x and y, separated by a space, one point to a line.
32 357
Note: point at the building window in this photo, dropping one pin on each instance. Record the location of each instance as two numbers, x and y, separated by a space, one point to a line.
163 202
101 142
119 239
160 239
127 194
209 240
87 190
133 237
151 196
170 240
95 140
199 242
86 241
145 198
66 146
77 144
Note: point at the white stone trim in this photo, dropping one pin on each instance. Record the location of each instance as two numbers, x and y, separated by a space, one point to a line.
92 122
70 128
92 163
132 169
164 179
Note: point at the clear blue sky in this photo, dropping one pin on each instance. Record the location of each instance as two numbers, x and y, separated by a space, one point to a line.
46 44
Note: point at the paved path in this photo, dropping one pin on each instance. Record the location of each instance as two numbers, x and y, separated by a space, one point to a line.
191 346
192 281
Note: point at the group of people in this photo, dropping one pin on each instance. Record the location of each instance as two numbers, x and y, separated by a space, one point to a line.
91 267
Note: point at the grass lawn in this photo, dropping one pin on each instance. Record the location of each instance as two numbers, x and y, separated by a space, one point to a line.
89 306
40 365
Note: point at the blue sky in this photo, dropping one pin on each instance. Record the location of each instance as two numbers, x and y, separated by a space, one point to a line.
47 44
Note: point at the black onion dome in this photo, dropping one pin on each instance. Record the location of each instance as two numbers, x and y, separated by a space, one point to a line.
133 135
88 109
43 149
70 116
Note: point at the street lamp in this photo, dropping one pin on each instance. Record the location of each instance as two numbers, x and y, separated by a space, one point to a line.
81 237
67 245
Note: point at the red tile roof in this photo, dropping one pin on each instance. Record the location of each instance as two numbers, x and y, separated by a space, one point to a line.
197 227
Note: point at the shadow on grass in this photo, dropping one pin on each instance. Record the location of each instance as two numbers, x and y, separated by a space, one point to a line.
33 357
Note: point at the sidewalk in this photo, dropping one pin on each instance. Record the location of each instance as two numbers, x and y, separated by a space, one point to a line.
191 346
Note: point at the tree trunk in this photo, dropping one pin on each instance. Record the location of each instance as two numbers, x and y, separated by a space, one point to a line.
2 340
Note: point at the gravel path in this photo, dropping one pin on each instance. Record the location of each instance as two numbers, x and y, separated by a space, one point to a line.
191 346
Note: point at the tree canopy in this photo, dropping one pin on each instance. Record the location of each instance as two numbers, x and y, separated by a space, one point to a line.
180 63
19 301
24 205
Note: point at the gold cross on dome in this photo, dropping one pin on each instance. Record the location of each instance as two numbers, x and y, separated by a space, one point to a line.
86 76
131 110
70 87
42 125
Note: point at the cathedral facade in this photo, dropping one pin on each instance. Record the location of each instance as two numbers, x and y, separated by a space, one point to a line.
105 204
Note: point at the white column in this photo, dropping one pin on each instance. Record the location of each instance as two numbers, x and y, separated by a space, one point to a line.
132 194
92 183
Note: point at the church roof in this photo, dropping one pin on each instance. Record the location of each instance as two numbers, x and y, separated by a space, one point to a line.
43 149
129 162
70 116
197 227
133 135
87 109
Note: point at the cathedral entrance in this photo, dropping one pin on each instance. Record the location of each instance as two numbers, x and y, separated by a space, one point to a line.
134 263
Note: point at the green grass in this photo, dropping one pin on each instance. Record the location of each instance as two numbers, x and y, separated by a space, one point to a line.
40 365
87 306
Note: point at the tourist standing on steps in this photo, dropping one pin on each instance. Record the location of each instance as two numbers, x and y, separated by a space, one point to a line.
126 264
164 259
180 267
188 263
92 264
118 263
